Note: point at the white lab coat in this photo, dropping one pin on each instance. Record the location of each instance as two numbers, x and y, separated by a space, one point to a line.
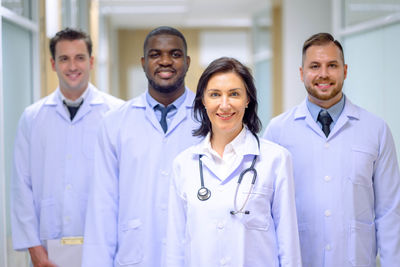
347 187
127 210
204 233
53 164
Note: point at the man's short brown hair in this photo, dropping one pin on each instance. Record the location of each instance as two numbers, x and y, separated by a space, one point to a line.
321 38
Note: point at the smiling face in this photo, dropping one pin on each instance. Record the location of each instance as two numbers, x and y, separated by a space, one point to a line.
225 100
165 63
323 73
72 64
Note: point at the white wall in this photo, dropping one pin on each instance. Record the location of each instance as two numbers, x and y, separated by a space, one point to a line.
300 20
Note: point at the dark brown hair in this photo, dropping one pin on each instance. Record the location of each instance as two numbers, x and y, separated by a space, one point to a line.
321 38
224 65
70 35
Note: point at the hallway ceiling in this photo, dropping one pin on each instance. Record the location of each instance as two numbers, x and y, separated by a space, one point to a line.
182 13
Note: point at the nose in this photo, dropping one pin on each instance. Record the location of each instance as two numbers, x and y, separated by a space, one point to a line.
225 104
72 65
323 72
165 60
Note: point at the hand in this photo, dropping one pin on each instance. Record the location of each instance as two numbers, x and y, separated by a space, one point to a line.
39 257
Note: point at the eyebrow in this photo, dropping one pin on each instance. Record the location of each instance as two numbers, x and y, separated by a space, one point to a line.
159 50
230 90
318 62
77 55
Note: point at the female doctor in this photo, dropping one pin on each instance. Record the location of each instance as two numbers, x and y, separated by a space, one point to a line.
232 196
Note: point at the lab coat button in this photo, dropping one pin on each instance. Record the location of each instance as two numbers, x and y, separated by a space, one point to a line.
327 178
68 187
328 213
328 247
164 173
326 145
223 262
221 225
66 219
69 156
163 206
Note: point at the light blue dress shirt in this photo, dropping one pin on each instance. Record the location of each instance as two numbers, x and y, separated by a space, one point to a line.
347 187
204 233
127 210
53 165
333 111
170 115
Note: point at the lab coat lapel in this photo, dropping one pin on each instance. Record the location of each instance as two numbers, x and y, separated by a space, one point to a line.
303 113
349 111
182 112
245 151
150 115
55 101
93 98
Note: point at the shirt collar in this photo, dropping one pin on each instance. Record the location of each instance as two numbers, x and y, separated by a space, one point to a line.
75 102
241 145
333 111
177 103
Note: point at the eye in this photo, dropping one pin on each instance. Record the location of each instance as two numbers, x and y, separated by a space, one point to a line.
176 54
314 67
333 65
213 94
235 94
81 58
62 59
153 55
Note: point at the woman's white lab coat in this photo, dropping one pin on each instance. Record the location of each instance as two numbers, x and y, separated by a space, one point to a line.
204 233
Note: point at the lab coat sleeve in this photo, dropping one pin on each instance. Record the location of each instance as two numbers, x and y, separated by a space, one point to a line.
24 218
175 251
386 182
100 239
284 214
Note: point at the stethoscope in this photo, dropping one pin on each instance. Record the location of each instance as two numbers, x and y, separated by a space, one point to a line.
204 193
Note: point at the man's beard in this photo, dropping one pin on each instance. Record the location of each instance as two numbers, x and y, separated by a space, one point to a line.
314 92
169 88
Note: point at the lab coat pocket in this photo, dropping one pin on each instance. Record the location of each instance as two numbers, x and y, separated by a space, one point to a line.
363 166
50 219
361 243
259 206
130 243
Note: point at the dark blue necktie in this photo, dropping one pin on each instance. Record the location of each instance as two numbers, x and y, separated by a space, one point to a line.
72 109
325 119
164 112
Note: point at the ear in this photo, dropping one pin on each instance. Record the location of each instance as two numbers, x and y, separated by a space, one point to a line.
53 64
301 74
188 61
142 59
345 71
91 61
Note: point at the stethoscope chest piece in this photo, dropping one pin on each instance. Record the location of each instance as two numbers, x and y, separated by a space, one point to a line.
203 194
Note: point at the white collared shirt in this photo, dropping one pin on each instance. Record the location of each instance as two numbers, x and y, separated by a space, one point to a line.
230 155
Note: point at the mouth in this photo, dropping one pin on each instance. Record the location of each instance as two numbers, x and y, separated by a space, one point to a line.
73 76
225 116
324 86
165 73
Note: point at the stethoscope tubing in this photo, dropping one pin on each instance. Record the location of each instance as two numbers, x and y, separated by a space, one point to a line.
204 193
